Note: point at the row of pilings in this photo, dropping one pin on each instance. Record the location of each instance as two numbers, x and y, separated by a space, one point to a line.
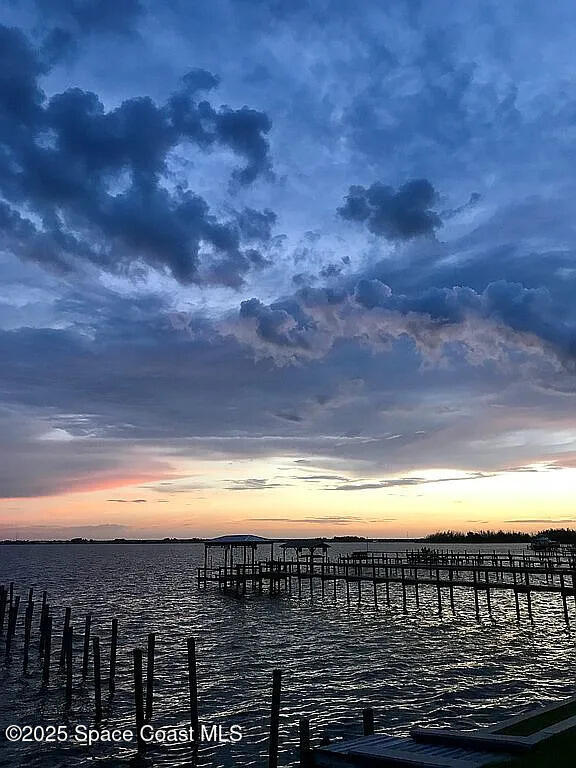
61 654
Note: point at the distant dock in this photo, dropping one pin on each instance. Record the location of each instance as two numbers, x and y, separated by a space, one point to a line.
306 562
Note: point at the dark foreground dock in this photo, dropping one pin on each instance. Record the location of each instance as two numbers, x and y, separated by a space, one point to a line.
529 735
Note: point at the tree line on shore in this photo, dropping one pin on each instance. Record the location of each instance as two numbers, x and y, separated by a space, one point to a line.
561 535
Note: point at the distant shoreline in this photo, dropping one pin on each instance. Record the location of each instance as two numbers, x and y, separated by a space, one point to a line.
473 538
337 540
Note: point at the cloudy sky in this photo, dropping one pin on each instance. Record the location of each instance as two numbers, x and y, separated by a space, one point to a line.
288 267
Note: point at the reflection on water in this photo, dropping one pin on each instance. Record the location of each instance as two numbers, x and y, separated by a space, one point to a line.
413 669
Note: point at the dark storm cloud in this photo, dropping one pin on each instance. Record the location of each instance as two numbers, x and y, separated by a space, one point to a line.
396 215
504 316
94 184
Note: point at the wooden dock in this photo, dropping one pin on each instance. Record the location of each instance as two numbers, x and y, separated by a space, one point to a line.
445 747
483 574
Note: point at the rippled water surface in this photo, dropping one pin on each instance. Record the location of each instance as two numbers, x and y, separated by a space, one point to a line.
413 669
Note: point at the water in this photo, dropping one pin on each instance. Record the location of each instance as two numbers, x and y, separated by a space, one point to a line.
413 669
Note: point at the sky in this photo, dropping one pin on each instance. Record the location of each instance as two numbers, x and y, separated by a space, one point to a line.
286 267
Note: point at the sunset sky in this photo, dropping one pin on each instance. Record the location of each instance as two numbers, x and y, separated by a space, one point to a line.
286 267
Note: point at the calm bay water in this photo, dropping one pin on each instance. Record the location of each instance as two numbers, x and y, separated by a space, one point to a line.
413 669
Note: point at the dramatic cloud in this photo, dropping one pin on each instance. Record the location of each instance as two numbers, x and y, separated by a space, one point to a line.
487 325
83 183
399 215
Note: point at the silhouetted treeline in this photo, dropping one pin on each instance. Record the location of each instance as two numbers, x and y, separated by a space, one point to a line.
562 535
495 537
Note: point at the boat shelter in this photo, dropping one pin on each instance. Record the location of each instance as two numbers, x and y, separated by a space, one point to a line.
311 549
238 548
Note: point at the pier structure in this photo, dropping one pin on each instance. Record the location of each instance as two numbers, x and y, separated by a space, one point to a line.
483 573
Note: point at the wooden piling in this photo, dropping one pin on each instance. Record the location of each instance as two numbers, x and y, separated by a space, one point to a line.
304 738
150 674
528 596
113 652
516 599
138 696
69 658
42 613
564 603
488 598
404 601
275 719
193 689
97 679
476 601
368 721
67 616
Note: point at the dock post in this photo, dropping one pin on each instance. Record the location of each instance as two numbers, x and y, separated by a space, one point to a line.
404 601
193 689
69 662
67 616
516 600
387 577
374 586
86 653
451 580
150 674
274 719
113 652
564 603
529 596
97 679
476 601
304 734
47 650
347 583
368 721
44 599
138 696
488 598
